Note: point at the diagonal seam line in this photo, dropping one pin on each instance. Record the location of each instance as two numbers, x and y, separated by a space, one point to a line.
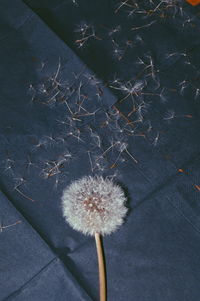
15 29
26 284
18 291
183 215
171 177
167 182
184 165
47 244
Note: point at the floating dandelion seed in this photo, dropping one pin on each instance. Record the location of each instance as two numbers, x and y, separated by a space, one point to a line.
95 206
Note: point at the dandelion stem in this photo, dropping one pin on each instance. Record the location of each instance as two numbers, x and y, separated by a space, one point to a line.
101 263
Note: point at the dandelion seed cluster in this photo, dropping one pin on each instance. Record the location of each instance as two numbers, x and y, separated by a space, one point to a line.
94 204
145 98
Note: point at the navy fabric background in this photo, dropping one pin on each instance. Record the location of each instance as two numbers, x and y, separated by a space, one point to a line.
109 88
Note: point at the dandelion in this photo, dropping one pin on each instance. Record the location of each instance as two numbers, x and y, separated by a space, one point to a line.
95 206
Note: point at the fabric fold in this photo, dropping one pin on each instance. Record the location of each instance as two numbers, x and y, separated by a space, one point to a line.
29 268
60 121
23 253
53 282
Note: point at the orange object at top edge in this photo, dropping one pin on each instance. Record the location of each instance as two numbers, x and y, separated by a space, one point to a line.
193 2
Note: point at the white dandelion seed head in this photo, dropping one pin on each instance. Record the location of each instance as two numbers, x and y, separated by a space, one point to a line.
94 204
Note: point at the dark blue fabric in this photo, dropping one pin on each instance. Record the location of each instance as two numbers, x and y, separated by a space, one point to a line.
102 108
